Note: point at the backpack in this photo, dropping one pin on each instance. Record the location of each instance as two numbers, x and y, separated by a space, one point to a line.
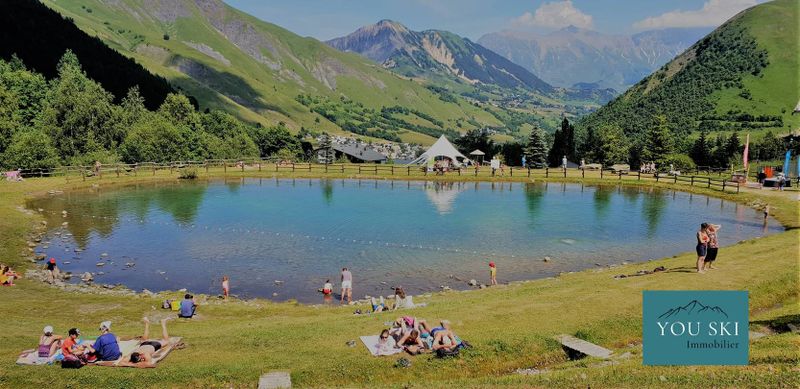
445 353
71 362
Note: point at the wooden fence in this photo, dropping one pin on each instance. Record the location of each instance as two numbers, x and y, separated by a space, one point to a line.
390 170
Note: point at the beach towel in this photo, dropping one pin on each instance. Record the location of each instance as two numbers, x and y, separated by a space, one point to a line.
32 358
126 347
371 342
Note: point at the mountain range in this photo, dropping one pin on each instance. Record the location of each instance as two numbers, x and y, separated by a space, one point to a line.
417 53
576 57
257 70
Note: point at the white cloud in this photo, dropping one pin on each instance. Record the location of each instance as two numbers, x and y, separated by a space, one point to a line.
713 13
557 14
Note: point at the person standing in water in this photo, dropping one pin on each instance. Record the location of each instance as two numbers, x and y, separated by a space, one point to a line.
226 286
702 247
493 273
713 246
347 285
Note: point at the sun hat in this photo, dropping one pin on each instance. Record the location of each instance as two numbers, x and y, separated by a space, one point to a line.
52 260
491 263
48 330
106 325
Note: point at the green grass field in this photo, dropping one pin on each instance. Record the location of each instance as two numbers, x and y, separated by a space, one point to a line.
511 326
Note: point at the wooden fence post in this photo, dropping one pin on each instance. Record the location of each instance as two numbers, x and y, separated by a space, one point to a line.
639 175
723 185
546 172
692 183
709 182
737 186
656 176
565 172
583 173
601 172
529 171
117 170
675 179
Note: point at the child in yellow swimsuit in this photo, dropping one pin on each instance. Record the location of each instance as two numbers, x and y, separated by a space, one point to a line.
493 273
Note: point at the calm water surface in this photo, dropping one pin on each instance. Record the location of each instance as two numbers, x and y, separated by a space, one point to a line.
420 235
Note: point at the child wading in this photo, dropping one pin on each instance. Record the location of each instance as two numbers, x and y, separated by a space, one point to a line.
226 286
493 272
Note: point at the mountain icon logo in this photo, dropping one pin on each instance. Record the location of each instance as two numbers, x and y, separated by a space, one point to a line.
694 307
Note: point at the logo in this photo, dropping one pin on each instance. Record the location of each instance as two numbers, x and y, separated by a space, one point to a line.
695 327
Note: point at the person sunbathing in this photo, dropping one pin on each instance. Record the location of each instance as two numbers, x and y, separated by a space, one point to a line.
7 276
142 356
412 343
443 337
378 305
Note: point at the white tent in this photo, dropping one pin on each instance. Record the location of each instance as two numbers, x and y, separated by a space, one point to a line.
442 148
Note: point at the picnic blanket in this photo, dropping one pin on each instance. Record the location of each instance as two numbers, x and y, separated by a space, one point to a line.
371 342
126 347
32 358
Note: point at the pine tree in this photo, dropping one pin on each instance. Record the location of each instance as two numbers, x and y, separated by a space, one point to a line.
589 146
326 149
536 149
563 144
701 150
658 142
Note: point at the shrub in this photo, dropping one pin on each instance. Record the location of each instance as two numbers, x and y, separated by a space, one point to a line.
681 162
30 150
189 173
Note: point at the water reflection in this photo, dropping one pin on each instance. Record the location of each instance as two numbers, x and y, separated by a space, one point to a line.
443 195
534 196
327 191
653 207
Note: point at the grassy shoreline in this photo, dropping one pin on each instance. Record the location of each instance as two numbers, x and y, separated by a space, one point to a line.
511 325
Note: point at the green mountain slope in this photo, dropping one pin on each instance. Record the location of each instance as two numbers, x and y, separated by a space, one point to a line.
233 61
743 76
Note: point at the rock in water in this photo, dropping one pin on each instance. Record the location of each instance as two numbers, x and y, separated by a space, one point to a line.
472 282
547 259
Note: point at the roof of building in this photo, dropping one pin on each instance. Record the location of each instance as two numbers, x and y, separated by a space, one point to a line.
362 152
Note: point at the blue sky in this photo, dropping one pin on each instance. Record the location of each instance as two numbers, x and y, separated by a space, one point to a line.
325 19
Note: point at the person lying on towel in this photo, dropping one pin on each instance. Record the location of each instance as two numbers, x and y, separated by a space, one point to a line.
142 356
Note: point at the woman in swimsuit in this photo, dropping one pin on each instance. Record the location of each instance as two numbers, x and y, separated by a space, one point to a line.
48 343
702 247
142 356
713 245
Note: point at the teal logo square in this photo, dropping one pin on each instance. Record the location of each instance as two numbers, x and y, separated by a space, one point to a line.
695 327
